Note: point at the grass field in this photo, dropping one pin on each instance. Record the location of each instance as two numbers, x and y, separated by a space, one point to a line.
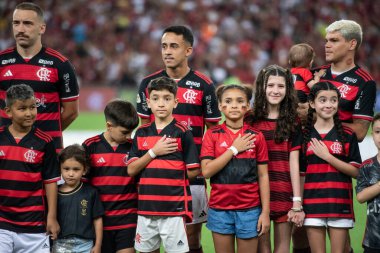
94 122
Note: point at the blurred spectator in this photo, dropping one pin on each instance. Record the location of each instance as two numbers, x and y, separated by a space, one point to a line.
114 42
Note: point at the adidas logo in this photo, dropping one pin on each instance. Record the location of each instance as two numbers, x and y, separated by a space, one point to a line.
8 73
2 153
45 246
145 144
180 243
203 213
101 160
224 144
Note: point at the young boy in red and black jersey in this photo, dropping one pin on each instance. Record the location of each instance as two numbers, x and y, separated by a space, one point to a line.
28 169
164 156
108 153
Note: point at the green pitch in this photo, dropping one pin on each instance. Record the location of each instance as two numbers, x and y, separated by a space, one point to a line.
95 121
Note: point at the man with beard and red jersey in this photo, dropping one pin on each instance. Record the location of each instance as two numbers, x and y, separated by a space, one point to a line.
50 74
197 107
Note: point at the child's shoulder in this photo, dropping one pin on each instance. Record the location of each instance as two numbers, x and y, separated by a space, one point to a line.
370 163
92 140
42 135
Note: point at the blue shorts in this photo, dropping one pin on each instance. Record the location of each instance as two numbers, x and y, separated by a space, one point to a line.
242 223
72 244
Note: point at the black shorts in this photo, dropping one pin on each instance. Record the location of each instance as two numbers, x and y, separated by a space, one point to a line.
370 250
114 240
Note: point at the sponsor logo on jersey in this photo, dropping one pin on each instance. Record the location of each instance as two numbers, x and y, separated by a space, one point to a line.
66 79
46 62
138 99
350 79
208 104
12 60
192 83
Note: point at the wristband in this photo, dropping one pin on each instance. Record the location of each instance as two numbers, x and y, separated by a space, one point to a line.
297 209
297 199
151 153
234 150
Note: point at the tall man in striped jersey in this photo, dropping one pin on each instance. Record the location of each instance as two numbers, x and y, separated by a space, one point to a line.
197 107
356 86
50 74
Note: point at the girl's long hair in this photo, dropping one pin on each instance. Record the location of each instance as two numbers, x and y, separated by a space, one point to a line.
288 118
321 86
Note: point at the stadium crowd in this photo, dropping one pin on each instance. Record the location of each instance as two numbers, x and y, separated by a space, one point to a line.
114 42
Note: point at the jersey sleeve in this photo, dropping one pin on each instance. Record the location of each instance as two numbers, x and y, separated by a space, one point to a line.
306 75
88 175
354 153
363 180
190 151
296 138
210 104
365 103
50 171
141 101
68 83
208 146
261 149
97 207
134 153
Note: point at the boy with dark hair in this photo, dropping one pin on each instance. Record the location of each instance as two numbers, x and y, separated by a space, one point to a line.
108 153
28 168
197 108
164 156
368 190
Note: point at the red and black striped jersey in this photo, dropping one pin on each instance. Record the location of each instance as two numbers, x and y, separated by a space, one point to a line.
164 187
236 186
357 90
301 76
118 191
327 191
281 191
24 169
53 80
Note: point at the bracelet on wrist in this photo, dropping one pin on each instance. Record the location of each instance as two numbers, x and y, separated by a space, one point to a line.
234 150
152 154
297 199
294 209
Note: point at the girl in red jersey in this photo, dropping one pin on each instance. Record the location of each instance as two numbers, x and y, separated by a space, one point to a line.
332 156
275 115
234 156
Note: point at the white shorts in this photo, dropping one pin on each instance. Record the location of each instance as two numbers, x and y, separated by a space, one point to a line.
11 242
329 222
200 204
151 230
